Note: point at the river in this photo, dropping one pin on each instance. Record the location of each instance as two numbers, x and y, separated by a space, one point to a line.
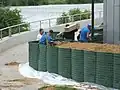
34 13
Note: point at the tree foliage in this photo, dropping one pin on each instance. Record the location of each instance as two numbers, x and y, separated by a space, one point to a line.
63 19
73 15
82 1
43 2
9 18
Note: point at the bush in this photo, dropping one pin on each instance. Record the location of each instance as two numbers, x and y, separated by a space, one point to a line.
56 1
79 15
9 18
85 15
63 19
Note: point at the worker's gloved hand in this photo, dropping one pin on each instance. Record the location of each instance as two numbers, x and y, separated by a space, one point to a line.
52 43
58 43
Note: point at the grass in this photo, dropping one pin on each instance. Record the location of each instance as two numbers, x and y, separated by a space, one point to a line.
57 88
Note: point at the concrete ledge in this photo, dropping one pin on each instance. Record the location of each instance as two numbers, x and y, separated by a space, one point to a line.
9 42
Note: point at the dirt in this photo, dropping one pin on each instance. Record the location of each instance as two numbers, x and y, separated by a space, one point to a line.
17 83
49 88
91 47
11 86
25 81
12 64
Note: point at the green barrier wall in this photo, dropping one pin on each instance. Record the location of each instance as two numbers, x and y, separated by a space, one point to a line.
96 67
116 82
89 66
52 59
64 62
42 62
104 69
33 54
78 65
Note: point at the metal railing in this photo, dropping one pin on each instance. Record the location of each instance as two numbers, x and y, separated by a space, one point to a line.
46 23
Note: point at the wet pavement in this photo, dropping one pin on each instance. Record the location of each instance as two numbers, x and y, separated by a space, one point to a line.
10 78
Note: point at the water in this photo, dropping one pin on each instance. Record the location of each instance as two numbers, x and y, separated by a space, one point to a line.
34 13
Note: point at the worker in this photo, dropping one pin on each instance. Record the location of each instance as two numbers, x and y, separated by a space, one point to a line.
85 34
47 39
41 31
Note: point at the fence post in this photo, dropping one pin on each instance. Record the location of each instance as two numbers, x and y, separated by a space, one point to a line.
29 26
19 29
88 15
72 17
40 24
1 35
9 32
65 20
62 20
100 14
49 24
80 17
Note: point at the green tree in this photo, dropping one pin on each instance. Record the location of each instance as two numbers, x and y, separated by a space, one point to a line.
43 2
82 1
85 15
63 19
56 1
9 18
73 15
74 12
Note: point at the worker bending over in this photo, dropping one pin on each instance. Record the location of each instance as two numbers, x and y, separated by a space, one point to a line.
85 34
46 39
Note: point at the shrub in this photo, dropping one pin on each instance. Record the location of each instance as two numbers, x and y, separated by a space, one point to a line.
63 19
9 18
79 15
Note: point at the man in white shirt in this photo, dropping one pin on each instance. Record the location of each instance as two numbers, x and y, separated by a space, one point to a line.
41 31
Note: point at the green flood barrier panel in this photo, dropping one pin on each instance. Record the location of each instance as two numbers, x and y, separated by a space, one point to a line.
42 62
52 59
77 65
33 54
64 62
116 81
104 69
89 66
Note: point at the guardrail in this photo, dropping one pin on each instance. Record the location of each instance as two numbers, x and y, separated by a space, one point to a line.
46 23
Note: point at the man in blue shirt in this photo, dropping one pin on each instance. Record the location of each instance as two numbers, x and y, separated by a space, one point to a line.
46 38
84 33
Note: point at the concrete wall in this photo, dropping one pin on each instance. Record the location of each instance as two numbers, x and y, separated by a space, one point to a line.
17 39
9 42
112 21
